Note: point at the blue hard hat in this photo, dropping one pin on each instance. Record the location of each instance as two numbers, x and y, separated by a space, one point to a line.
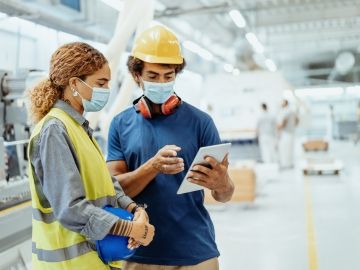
113 247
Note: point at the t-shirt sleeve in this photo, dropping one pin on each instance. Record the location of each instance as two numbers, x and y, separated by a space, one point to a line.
210 135
115 151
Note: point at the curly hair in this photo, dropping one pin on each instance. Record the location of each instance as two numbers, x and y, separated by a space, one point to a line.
135 66
76 59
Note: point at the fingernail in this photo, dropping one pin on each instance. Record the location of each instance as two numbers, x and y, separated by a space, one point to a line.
195 168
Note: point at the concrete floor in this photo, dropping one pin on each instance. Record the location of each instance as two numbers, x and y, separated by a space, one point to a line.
297 222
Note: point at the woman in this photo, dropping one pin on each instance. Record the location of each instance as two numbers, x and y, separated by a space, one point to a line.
69 180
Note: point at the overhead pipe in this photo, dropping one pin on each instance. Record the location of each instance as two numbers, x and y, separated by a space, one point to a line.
132 20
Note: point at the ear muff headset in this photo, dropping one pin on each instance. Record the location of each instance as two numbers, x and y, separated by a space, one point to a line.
143 106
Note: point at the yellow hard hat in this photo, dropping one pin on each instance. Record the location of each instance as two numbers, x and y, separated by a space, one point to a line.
158 45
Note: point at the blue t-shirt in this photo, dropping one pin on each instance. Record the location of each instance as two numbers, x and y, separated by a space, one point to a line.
184 232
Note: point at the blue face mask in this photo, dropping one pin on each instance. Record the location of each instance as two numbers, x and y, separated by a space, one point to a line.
158 93
99 98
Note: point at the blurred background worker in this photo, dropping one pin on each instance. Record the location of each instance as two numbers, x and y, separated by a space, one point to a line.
267 135
286 126
151 146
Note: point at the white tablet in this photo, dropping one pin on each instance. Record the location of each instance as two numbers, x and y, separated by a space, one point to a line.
217 151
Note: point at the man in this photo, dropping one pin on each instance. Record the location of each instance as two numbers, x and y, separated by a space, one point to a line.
151 146
266 133
287 124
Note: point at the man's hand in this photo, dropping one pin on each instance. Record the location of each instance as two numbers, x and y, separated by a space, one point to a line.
166 160
215 178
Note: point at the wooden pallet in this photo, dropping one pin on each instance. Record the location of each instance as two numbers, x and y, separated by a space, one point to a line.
320 172
322 166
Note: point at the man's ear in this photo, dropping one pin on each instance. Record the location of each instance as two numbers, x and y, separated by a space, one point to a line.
138 80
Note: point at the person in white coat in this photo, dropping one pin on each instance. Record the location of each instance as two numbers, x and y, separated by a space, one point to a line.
287 124
267 133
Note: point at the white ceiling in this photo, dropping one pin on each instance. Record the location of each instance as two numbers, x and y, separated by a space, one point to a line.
302 37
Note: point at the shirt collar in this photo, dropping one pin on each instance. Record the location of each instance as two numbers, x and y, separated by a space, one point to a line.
81 120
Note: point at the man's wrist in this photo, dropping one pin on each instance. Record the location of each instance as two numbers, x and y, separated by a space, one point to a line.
228 187
152 168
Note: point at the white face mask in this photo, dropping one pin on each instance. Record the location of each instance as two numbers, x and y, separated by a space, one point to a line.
99 98
158 93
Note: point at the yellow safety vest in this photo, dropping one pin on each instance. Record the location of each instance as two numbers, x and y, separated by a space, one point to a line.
54 247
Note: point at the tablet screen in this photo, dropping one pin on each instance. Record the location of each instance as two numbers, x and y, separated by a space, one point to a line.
217 151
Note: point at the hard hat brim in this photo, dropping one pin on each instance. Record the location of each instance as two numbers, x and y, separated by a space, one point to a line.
159 60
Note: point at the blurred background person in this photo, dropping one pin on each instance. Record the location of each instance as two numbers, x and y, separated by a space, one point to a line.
266 134
286 125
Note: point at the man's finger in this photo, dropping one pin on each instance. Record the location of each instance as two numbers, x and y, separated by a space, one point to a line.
172 146
212 161
168 153
225 160
197 181
173 167
172 160
201 168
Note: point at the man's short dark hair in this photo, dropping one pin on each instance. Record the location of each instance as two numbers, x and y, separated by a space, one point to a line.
135 66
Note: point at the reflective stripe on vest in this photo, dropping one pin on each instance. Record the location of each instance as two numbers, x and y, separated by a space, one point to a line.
49 217
44 217
61 254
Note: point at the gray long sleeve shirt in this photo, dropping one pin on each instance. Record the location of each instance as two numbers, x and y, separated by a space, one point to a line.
56 166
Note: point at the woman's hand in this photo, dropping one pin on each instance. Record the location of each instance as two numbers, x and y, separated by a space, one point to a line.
142 232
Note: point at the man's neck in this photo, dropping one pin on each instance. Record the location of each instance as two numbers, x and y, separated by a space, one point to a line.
156 108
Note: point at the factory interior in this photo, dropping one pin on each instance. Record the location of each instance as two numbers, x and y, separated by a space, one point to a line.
278 79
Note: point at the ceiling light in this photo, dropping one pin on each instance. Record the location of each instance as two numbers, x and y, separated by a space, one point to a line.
195 48
237 18
270 65
228 67
255 43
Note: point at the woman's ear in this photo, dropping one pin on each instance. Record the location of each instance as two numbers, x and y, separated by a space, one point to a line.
72 83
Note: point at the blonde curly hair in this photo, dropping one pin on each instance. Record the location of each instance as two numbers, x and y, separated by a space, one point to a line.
76 59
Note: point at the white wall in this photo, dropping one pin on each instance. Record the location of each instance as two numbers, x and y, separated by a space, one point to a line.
236 99
31 44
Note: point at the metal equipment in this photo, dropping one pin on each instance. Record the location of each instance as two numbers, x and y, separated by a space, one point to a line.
15 205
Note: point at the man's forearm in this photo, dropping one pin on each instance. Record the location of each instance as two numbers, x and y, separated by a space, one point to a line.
224 195
134 182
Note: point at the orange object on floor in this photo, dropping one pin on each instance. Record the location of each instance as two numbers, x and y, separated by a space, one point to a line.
316 145
244 179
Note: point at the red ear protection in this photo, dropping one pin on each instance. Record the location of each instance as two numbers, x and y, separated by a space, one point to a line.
170 105
144 106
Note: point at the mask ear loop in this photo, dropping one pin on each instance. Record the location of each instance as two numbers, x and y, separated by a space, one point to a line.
74 92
